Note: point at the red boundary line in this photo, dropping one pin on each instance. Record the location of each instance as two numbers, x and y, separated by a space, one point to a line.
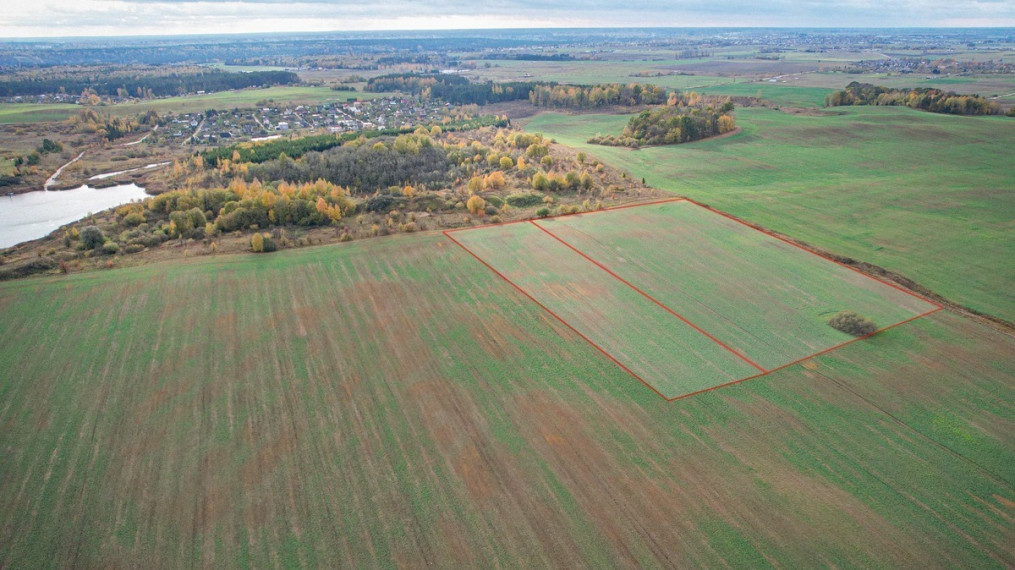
604 210
447 233
651 298
808 357
798 246
556 316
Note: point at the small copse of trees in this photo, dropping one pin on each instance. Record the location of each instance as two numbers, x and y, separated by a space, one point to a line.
852 323
686 118
924 99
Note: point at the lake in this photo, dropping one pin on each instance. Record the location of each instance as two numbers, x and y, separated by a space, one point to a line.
33 215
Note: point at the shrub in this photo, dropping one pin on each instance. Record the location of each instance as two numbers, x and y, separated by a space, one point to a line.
852 323
110 248
543 212
134 219
524 200
92 238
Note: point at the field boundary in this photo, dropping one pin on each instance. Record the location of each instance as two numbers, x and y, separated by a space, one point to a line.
447 234
762 371
810 251
650 298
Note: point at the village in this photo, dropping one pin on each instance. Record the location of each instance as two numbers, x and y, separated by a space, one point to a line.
269 120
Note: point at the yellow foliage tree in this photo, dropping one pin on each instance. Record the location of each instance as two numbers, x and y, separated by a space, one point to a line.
476 205
495 180
476 184
726 124
257 243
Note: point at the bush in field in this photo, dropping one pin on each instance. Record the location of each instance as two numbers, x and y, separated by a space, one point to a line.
92 238
852 323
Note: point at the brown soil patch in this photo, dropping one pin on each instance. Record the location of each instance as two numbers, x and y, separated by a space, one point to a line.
265 460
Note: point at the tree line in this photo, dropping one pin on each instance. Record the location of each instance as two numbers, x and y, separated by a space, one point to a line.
142 86
924 99
595 96
451 88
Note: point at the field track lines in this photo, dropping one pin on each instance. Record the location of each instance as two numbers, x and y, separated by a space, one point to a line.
556 316
798 246
651 298
762 371
589 213
805 358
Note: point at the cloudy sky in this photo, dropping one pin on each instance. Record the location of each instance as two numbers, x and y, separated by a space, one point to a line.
42 18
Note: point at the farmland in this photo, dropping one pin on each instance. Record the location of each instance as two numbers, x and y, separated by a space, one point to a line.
863 182
765 298
683 298
652 385
673 358
396 403
34 113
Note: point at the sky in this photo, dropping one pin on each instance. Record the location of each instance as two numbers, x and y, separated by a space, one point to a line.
54 18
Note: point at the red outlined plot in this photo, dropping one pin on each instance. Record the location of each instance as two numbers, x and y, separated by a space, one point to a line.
651 298
448 233
517 269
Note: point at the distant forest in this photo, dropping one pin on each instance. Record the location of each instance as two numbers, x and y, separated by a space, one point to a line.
144 85
454 89
924 99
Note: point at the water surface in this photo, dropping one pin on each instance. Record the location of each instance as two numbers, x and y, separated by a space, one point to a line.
34 215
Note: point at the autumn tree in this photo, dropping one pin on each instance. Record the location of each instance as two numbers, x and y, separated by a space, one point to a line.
495 180
257 243
476 205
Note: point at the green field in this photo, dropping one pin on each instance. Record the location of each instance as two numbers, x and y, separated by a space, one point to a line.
593 72
13 113
393 402
987 85
763 297
926 195
661 350
788 95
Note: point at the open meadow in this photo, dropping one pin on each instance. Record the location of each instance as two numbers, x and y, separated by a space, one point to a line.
925 195
393 402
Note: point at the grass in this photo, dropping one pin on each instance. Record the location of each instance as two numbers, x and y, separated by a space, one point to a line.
768 300
922 194
14 113
393 402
